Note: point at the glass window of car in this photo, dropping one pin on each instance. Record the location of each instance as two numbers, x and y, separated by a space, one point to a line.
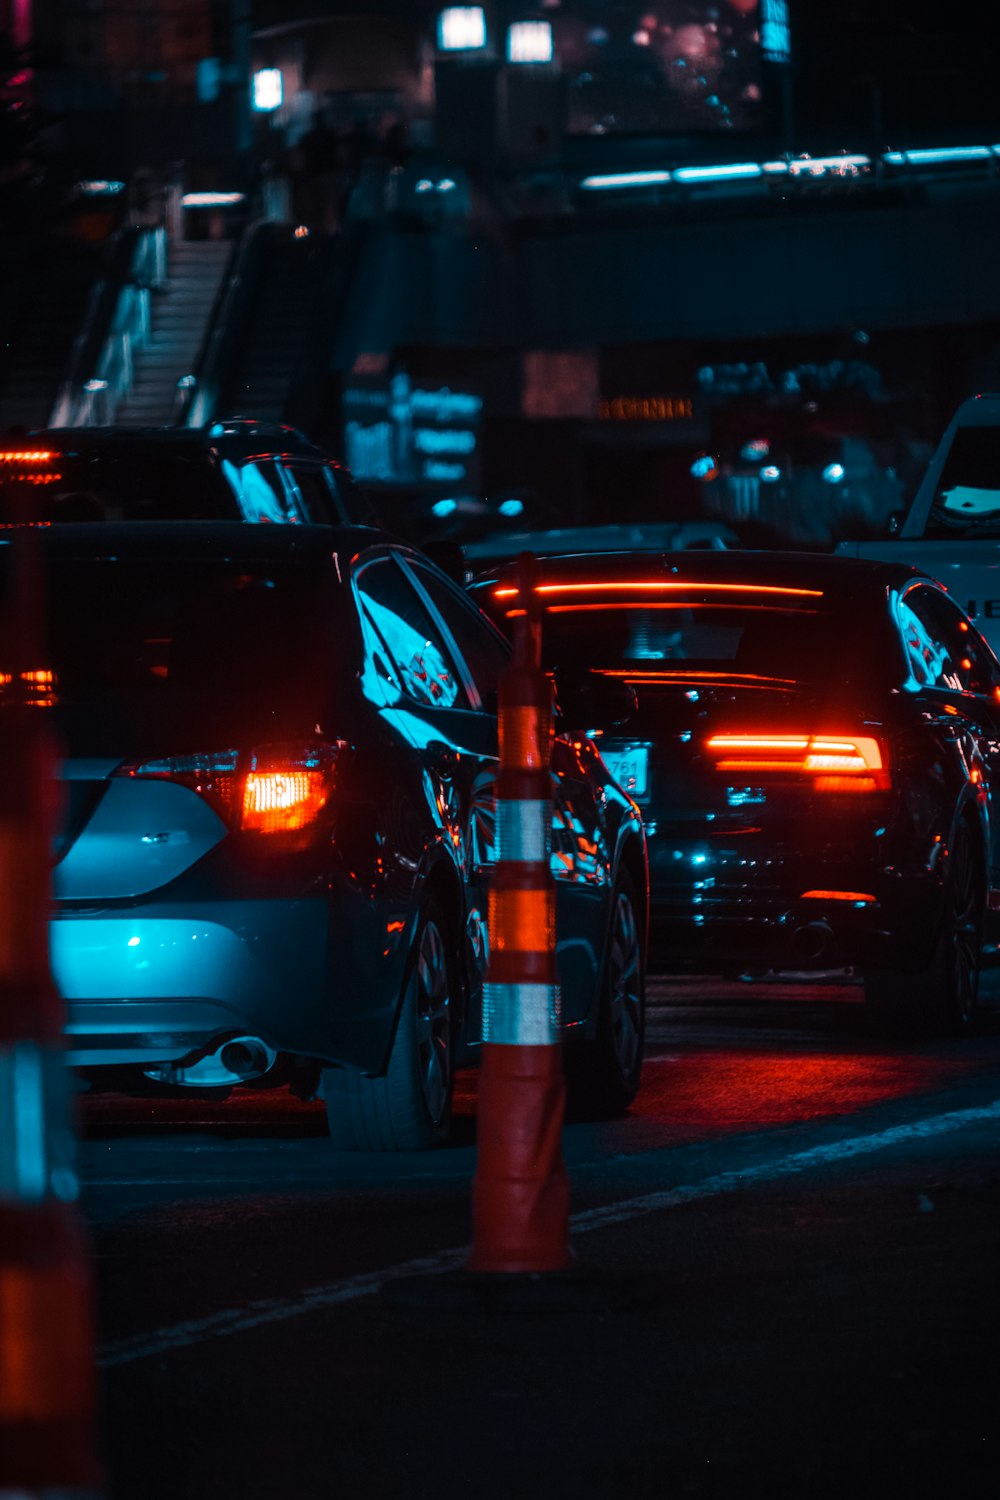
967 501
420 656
800 639
260 491
942 648
312 495
484 651
187 654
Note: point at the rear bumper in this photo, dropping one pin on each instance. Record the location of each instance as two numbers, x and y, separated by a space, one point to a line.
144 989
718 910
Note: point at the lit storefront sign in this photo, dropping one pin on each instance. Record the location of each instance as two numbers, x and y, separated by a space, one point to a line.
647 409
775 36
399 433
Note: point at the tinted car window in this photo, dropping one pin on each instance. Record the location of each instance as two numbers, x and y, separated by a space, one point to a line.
421 659
87 485
157 478
180 655
805 637
312 494
261 492
968 496
941 648
484 652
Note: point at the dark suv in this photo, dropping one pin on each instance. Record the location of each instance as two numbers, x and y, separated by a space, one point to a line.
231 470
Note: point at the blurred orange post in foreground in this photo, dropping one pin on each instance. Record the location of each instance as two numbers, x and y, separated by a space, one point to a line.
46 1346
521 1190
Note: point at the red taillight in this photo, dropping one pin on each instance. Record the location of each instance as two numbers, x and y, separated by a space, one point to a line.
836 762
270 789
284 799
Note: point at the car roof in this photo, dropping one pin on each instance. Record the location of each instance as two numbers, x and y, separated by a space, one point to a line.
834 575
190 540
242 433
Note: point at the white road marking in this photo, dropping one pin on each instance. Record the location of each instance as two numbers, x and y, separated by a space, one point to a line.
277 1309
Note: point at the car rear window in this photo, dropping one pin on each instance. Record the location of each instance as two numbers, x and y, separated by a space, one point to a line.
161 656
967 502
783 632
49 484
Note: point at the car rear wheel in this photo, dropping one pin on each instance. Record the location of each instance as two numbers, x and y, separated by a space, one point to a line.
408 1108
602 1075
943 997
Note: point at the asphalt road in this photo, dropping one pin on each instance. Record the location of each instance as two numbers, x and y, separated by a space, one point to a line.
788 1259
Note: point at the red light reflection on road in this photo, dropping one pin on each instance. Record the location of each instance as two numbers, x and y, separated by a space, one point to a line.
716 1092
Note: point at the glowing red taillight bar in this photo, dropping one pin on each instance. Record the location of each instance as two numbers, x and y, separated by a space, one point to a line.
850 762
659 586
859 898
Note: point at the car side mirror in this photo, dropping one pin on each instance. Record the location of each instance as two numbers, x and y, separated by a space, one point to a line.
591 700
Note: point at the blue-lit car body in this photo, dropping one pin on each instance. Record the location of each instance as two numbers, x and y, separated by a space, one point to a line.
207 675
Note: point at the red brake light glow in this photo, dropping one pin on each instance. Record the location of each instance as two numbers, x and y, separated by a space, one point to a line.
839 763
271 789
657 586
283 801
864 898
37 689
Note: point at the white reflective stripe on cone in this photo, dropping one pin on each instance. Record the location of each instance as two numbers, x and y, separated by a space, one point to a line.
524 830
521 1015
36 1144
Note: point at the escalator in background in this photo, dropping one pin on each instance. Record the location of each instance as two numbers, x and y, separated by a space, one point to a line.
179 314
270 355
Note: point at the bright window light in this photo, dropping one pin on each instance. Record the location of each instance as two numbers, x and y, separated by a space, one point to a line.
512 507
833 473
444 507
268 89
211 200
529 42
462 28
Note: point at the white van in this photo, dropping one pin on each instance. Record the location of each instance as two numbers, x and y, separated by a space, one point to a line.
952 528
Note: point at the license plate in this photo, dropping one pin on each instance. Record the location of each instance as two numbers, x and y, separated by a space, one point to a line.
630 768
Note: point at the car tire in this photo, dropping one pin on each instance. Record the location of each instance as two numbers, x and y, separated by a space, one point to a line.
941 999
602 1075
408 1107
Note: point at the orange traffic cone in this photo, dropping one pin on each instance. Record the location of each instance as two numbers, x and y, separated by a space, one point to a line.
521 1190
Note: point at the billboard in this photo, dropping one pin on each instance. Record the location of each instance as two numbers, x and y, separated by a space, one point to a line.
663 66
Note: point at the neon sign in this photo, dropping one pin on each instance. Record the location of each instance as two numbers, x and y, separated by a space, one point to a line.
646 408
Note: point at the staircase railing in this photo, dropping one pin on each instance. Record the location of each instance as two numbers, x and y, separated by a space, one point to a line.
198 392
117 323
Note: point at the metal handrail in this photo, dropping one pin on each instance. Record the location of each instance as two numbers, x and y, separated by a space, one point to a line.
117 323
197 392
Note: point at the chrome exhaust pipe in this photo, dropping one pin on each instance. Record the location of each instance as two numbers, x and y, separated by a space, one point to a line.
246 1056
235 1061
